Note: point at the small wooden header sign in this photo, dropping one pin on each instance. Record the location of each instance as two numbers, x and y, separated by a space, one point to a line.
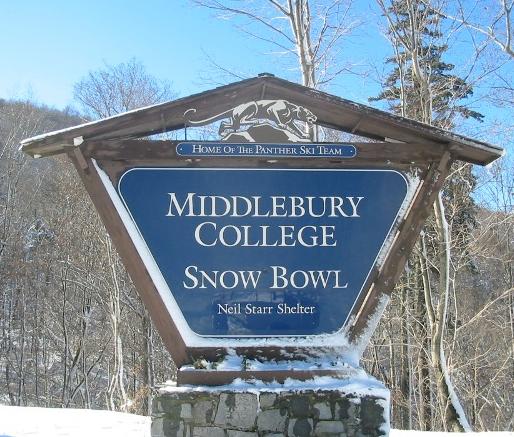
262 242
288 150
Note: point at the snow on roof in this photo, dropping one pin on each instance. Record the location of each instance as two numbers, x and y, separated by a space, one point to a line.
330 110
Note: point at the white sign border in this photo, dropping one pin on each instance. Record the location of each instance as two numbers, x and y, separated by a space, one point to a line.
191 338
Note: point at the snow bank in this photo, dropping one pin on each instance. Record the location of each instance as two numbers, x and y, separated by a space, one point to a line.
402 433
58 422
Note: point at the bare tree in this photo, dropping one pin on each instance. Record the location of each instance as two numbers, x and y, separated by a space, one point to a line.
119 88
104 93
490 23
310 31
492 19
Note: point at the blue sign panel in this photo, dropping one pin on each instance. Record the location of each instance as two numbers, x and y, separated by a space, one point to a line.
288 150
264 252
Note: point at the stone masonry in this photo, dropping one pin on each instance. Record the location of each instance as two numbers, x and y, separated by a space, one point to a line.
213 413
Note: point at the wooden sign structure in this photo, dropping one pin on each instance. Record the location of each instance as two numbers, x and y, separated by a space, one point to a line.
262 243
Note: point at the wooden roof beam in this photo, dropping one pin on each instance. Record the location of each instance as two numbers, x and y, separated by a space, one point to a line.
331 111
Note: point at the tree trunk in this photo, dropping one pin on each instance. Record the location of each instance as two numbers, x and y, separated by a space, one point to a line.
425 408
405 375
454 418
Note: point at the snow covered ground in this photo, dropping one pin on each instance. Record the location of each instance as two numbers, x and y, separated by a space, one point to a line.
398 433
55 422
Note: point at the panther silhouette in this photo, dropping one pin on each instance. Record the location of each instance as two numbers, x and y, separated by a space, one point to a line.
280 112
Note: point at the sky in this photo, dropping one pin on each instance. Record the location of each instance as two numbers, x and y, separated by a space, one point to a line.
48 46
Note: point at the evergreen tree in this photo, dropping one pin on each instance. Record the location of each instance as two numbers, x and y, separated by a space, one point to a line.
403 89
423 87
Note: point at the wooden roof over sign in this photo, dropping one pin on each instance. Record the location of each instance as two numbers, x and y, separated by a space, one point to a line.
331 111
111 157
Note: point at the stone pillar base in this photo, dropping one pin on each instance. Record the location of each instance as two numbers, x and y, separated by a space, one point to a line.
350 410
